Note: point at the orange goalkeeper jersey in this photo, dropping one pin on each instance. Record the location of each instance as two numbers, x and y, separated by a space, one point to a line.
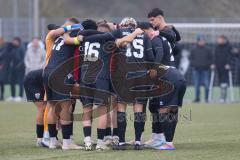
49 42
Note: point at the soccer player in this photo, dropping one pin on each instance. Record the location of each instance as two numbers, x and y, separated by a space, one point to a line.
137 52
59 54
168 33
34 89
97 62
164 109
95 39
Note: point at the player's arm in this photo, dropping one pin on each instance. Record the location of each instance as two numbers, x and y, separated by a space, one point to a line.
149 57
77 39
60 31
157 45
72 40
129 38
101 38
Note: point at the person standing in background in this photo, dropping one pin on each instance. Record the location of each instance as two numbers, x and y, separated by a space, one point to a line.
35 55
17 68
3 67
222 57
201 60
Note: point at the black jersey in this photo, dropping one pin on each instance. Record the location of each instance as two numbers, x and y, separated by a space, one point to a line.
61 52
95 62
137 52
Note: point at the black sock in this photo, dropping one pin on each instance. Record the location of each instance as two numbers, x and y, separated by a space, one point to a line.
169 124
154 122
174 123
115 132
71 128
158 125
138 125
87 131
101 133
52 130
39 130
108 131
66 131
122 125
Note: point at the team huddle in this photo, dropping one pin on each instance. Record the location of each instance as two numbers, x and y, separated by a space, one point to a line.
107 67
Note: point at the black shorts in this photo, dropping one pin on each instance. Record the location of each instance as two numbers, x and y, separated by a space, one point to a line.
97 93
129 94
175 98
52 93
33 84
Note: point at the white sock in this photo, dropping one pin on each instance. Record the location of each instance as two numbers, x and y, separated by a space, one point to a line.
53 139
161 136
87 139
46 134
66 141
100 142
138 142
153 136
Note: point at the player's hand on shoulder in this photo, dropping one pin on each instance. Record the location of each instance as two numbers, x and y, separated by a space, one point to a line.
80 38
152 73
138 31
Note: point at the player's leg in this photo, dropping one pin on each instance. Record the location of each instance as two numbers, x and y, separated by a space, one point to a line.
72 109
87 126
66 123
115 138
52 124
157 137
33 86
101 127
46 133
108 132
138 124
169 115
122 125
39 121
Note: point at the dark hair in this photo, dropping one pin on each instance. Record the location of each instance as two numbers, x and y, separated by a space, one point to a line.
145 25
89 24
52 27
17 39
155 12
73 20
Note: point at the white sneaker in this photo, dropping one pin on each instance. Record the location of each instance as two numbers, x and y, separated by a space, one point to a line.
18 99
39 142
115 140
108 140
88 143
101 146
54 143
45 142
68 144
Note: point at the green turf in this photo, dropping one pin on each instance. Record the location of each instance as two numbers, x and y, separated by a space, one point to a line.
205 132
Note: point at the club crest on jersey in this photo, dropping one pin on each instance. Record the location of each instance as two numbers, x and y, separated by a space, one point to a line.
37 95
161 103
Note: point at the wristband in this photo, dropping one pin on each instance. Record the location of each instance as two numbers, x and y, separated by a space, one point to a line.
76 41
73 27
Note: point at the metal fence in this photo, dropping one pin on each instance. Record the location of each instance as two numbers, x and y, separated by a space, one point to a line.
188 28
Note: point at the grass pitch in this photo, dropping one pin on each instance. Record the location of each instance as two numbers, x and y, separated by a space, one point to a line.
204 132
